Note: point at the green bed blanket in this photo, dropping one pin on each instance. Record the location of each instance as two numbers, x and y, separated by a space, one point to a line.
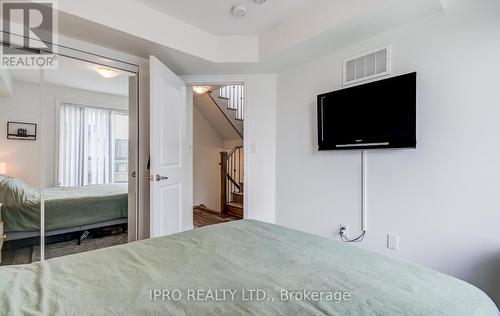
245 257
64 207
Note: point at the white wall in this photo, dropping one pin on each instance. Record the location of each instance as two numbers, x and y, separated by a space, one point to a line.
23 157
230 144
442 199
207 145
260 140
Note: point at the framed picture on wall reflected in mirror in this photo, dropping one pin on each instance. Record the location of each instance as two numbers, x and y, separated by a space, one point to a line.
21 131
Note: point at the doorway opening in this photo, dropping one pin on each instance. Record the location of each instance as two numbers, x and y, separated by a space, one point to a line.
218 153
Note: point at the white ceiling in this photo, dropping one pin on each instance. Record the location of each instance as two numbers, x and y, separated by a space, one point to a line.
316 29
77 74
215 16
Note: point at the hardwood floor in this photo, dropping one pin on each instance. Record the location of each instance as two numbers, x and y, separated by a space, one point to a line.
205 218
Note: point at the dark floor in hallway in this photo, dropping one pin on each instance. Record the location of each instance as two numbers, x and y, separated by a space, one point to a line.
205 218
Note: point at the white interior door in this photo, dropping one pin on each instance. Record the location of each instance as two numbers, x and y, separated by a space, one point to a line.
167 141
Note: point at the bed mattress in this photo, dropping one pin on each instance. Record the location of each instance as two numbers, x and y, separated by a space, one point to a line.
264 265
64 207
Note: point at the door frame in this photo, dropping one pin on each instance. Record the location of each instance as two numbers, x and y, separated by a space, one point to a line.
216 80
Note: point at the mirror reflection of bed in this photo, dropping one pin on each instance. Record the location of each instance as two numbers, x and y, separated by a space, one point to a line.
77 219
84 182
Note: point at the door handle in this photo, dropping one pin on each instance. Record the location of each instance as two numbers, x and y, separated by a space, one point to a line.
160 178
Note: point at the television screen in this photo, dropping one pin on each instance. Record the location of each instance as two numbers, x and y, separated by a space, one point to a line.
380 114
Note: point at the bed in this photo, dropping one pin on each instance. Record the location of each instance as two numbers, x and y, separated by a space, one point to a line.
66 209
142 278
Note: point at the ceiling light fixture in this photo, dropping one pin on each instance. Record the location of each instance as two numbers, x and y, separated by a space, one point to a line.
239 11
106 72
201 89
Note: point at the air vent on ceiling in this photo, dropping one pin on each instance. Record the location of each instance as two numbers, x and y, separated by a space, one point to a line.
366 66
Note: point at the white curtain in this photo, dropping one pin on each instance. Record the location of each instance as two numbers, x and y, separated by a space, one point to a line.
85 155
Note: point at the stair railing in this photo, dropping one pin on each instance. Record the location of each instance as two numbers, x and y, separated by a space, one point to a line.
235 94
231 175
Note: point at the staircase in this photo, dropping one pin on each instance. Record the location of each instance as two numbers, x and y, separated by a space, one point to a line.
231 102
232 182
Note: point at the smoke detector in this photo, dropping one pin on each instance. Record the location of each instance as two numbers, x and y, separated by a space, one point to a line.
239 11
260 1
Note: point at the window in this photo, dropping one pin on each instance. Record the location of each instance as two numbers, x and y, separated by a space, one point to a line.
120 144
93 145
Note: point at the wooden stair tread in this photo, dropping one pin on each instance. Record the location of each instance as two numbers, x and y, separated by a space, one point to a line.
234 209
238 193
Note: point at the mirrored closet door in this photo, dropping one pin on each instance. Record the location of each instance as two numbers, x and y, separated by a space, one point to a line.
80 164
20 166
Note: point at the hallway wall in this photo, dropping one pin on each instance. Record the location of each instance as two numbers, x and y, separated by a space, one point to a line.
207 145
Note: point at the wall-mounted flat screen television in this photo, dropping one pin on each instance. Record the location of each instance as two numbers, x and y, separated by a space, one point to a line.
380 114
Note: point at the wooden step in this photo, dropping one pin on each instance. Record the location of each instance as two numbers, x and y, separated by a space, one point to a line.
234 209
237 197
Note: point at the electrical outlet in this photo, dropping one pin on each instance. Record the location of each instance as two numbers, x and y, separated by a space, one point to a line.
393 241
345 229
